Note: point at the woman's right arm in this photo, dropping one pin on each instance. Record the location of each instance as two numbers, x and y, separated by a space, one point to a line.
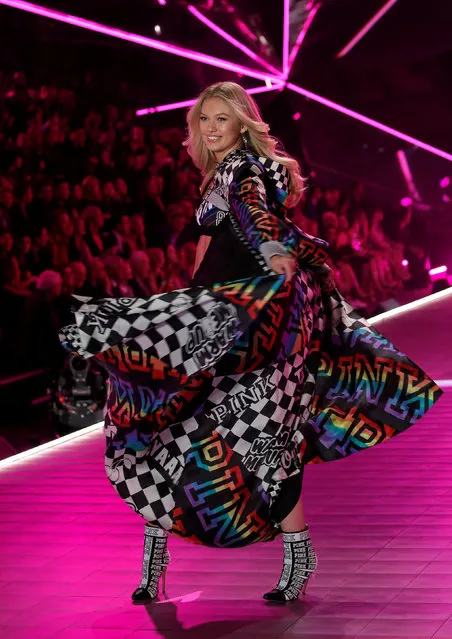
203 245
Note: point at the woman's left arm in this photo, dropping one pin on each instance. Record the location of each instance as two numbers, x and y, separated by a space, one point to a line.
266 232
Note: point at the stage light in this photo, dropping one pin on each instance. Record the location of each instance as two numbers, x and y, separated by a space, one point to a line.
438 270
424 301
158 29
405 263
444 183
235 43
367 27
162 2
189 103
37 451
373 123
136 39
406 201
297 115
302 35
407 174
286 34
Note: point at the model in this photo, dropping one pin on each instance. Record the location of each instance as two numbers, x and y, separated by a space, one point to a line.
219 394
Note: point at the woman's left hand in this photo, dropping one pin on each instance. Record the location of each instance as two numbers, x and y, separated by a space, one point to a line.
326 278
283 265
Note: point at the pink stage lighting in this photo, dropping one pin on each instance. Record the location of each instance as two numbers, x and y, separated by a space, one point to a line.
366 28
189 103
405 262
137 39
445 182
286 35
302 35
236 43
407 174
438 270
363 118
296 116
406 201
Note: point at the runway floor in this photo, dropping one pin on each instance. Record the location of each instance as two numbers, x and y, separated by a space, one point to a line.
381 523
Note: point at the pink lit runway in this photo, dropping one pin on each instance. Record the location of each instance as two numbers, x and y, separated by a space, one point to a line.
381 522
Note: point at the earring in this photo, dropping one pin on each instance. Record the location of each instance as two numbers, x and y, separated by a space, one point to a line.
245 140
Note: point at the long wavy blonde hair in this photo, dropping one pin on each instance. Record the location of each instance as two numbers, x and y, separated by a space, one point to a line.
260 142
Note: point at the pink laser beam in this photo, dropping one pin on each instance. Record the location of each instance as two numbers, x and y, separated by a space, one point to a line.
236 43
189 103
301 36
438 270
366 28
369 121
137 39
407 174
285 50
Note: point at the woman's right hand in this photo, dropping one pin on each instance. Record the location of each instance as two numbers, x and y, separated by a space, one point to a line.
283 265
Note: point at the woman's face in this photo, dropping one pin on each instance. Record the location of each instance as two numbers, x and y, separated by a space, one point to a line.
219 127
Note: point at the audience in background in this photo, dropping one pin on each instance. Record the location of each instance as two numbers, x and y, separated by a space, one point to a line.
100 203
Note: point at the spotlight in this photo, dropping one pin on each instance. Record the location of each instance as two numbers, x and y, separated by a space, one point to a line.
158 29
406 201
268 83
297 115
438 270
444 183
162 2
405 262
438 277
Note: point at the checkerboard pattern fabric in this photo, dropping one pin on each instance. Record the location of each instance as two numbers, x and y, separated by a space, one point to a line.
218 395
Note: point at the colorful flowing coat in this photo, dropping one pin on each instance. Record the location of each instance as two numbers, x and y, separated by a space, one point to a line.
220 393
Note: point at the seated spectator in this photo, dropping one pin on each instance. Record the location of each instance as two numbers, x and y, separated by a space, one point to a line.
12 217
94 236
187 256
392 251
12 281
120 274
138 232
172 269
40 337
80 273
179 230
157 278
62 233
124 237
140 264
98 284
27 259
43 250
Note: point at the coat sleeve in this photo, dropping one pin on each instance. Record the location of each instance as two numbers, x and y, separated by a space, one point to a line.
266 232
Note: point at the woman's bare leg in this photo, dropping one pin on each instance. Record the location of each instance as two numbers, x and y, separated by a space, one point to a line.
295 521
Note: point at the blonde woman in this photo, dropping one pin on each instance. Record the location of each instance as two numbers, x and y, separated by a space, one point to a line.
220 393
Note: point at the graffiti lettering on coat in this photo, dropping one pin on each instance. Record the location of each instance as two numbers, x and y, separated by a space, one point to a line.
213 335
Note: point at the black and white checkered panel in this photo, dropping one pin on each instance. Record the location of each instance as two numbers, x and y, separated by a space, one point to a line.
161 323
274 408
169 337
343 316
277 172
143 488
176 438
70 338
